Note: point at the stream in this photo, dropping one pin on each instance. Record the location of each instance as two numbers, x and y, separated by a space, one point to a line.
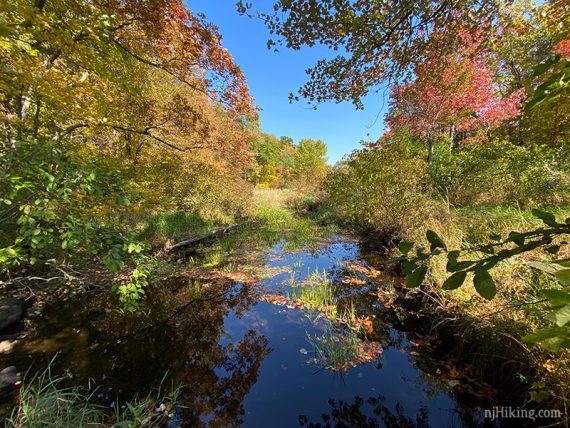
235 326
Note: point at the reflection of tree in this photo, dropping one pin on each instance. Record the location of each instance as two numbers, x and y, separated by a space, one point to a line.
367 414
182 334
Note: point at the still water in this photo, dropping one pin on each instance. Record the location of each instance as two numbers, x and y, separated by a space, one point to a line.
224 326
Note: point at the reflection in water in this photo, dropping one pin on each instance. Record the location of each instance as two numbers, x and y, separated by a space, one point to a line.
241 360
371 413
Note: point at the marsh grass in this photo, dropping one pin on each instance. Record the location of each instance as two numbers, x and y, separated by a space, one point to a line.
333 350
46 401
317 294
169 227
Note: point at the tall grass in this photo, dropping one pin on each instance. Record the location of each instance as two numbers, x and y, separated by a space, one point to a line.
317 295
46 402
172 226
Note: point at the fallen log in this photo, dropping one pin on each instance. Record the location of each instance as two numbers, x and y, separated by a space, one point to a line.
211 235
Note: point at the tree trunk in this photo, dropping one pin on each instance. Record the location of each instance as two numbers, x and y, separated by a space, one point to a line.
430 154
37 117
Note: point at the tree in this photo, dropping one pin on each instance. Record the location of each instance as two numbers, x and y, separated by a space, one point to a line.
310 161
68 65
104 105
380 41
452 93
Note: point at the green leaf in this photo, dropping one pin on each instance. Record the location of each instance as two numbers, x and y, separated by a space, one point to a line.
557 297
466 264
563 276
562 316
553 249
455 281
484 284
546 217
408 266
540 335
416 278
121 200
452 257
435 240
545 66
405 247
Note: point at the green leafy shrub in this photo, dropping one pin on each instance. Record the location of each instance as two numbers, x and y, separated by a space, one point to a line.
501 173
56 203
382 190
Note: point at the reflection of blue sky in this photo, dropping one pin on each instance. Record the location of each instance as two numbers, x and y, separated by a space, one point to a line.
287 386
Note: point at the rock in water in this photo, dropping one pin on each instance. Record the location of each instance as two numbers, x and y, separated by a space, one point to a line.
9 378
11 312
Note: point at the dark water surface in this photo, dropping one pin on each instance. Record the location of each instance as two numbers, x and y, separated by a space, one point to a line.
242 360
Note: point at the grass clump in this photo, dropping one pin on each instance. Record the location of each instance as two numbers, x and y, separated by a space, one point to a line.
318 294
46 401
334 351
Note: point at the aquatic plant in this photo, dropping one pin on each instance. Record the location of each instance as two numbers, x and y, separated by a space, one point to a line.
317 294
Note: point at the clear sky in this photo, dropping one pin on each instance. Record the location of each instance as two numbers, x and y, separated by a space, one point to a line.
272 76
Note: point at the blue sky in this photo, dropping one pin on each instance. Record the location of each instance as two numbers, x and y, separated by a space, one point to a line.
272 76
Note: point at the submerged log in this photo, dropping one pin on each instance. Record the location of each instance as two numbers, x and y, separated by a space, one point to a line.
192 241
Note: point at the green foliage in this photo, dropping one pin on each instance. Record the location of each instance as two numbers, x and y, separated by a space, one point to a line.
134 287
382 190
501 173
556 84
280 163
480 260
55 202
46 401
310 162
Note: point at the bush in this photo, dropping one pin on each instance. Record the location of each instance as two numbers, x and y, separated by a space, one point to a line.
500 173
383 190
55 200
205 186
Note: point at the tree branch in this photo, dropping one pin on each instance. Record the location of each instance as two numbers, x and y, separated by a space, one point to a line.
145 132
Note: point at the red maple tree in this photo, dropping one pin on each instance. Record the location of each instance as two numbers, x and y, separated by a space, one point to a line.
450 93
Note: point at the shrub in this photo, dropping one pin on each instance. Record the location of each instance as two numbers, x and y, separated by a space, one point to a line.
499 172
54 200
382 190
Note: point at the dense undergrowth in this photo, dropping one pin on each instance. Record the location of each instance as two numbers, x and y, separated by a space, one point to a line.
473 193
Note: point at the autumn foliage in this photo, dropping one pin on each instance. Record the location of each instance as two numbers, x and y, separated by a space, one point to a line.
452 93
